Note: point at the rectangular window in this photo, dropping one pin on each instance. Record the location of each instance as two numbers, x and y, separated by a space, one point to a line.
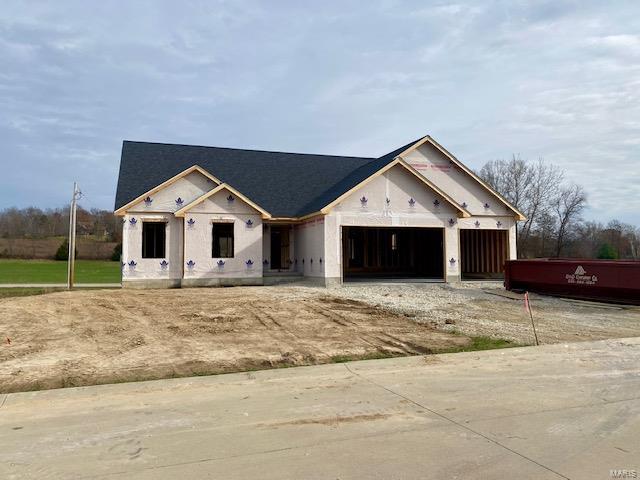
153 239
222 234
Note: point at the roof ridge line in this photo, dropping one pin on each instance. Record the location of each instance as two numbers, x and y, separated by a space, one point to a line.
250 150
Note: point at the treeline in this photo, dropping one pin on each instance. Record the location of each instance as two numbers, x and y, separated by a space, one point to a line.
553 206
101 225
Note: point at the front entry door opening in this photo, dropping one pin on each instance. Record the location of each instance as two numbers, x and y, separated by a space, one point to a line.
393 252
280 248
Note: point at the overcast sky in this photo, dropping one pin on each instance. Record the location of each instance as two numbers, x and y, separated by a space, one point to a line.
553 79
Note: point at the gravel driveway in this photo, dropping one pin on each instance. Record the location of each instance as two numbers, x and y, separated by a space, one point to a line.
485 308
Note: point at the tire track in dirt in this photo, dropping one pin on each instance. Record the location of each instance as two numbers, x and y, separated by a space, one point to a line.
255 315
381 341
372 340
402 345
302 351
258 313
410 346
268 315
333 316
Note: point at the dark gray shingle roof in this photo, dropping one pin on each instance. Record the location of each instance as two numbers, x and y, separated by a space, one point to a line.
284 184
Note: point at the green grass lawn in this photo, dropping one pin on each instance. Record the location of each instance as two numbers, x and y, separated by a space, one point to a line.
484 343
50 271
22 292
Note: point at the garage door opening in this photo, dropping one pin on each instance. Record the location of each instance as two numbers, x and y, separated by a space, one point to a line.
393 253
483 253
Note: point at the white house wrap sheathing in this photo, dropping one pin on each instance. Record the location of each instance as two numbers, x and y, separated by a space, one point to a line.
151 268
223 207
394 198
187 188
458 184
487 209
310 247
163 204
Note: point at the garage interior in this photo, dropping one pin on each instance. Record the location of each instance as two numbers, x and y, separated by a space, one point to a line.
392 253
483 253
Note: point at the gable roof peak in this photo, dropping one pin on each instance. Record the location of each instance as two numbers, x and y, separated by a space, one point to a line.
219 188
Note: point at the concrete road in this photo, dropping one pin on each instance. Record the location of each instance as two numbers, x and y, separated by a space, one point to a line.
561 411
60 285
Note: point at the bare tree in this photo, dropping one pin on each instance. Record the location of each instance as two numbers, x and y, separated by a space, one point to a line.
543 243
528 187
567 206
545 181
553 209
511 178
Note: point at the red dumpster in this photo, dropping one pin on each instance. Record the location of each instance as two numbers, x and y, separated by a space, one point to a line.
601 280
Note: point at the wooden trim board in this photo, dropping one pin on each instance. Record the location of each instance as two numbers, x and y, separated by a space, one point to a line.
195 168
398 161
222 186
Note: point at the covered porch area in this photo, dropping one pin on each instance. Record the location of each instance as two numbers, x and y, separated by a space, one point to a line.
278 251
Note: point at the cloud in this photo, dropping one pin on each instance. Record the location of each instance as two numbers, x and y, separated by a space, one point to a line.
554 79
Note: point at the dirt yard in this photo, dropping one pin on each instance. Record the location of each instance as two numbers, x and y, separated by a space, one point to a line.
91 337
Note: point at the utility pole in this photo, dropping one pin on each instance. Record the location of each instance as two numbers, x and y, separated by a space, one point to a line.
71 262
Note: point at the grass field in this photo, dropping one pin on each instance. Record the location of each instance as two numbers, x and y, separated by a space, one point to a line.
50 271
24 292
